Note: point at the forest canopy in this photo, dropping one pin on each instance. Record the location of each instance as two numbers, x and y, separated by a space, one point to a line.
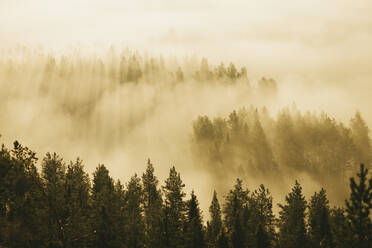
60 206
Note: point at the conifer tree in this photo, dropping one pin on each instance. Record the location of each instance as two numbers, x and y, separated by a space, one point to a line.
153 211
292 229
133 214
319 221
174 209
77 187
105 222
235 203
214 226
53 175
360 135
194 230
340 229
358 209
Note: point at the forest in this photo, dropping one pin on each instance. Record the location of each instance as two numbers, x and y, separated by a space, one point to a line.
251 142
127 104
60 206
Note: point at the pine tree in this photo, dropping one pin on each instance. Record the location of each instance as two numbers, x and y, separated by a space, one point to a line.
77 187
261 218
360 135
174 209
153 208
105 215
358 209
340 229
194 230
319 221
53 175
26 212
235 204
214 226
292 229
133 214
263 155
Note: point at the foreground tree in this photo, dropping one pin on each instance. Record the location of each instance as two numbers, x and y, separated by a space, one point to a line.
153 208
194 229
234 208
292 230
134 226
319 221
214 226
358 209
174 209
106 212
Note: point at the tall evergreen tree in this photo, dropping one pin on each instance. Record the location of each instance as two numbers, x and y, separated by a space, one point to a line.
174 209
77 187
214 226
53 175
262 219
235 204
194 229
340 229
105 214
292 229
133 214
358 209
319 221
153 208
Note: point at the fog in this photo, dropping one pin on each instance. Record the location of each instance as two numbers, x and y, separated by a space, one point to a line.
319 53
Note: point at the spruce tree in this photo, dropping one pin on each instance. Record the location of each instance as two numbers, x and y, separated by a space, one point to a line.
77 187
319 221
358 209
133 214
53 175
235 203
174 209
292 229
105 222
153 208
214 226
194 229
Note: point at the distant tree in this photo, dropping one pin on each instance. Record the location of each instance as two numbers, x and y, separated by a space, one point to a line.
174 209
319 221
232 72
358 209
292 228
263 155
179 75
360 135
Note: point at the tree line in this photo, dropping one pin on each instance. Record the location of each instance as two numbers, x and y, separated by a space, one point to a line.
61 207
251 142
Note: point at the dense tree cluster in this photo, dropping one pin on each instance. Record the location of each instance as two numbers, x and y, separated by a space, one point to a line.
61 207
250 142
121 66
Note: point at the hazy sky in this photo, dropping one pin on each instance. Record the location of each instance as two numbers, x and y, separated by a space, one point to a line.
270 36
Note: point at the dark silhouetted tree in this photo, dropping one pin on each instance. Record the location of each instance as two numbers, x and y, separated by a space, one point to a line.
292 229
